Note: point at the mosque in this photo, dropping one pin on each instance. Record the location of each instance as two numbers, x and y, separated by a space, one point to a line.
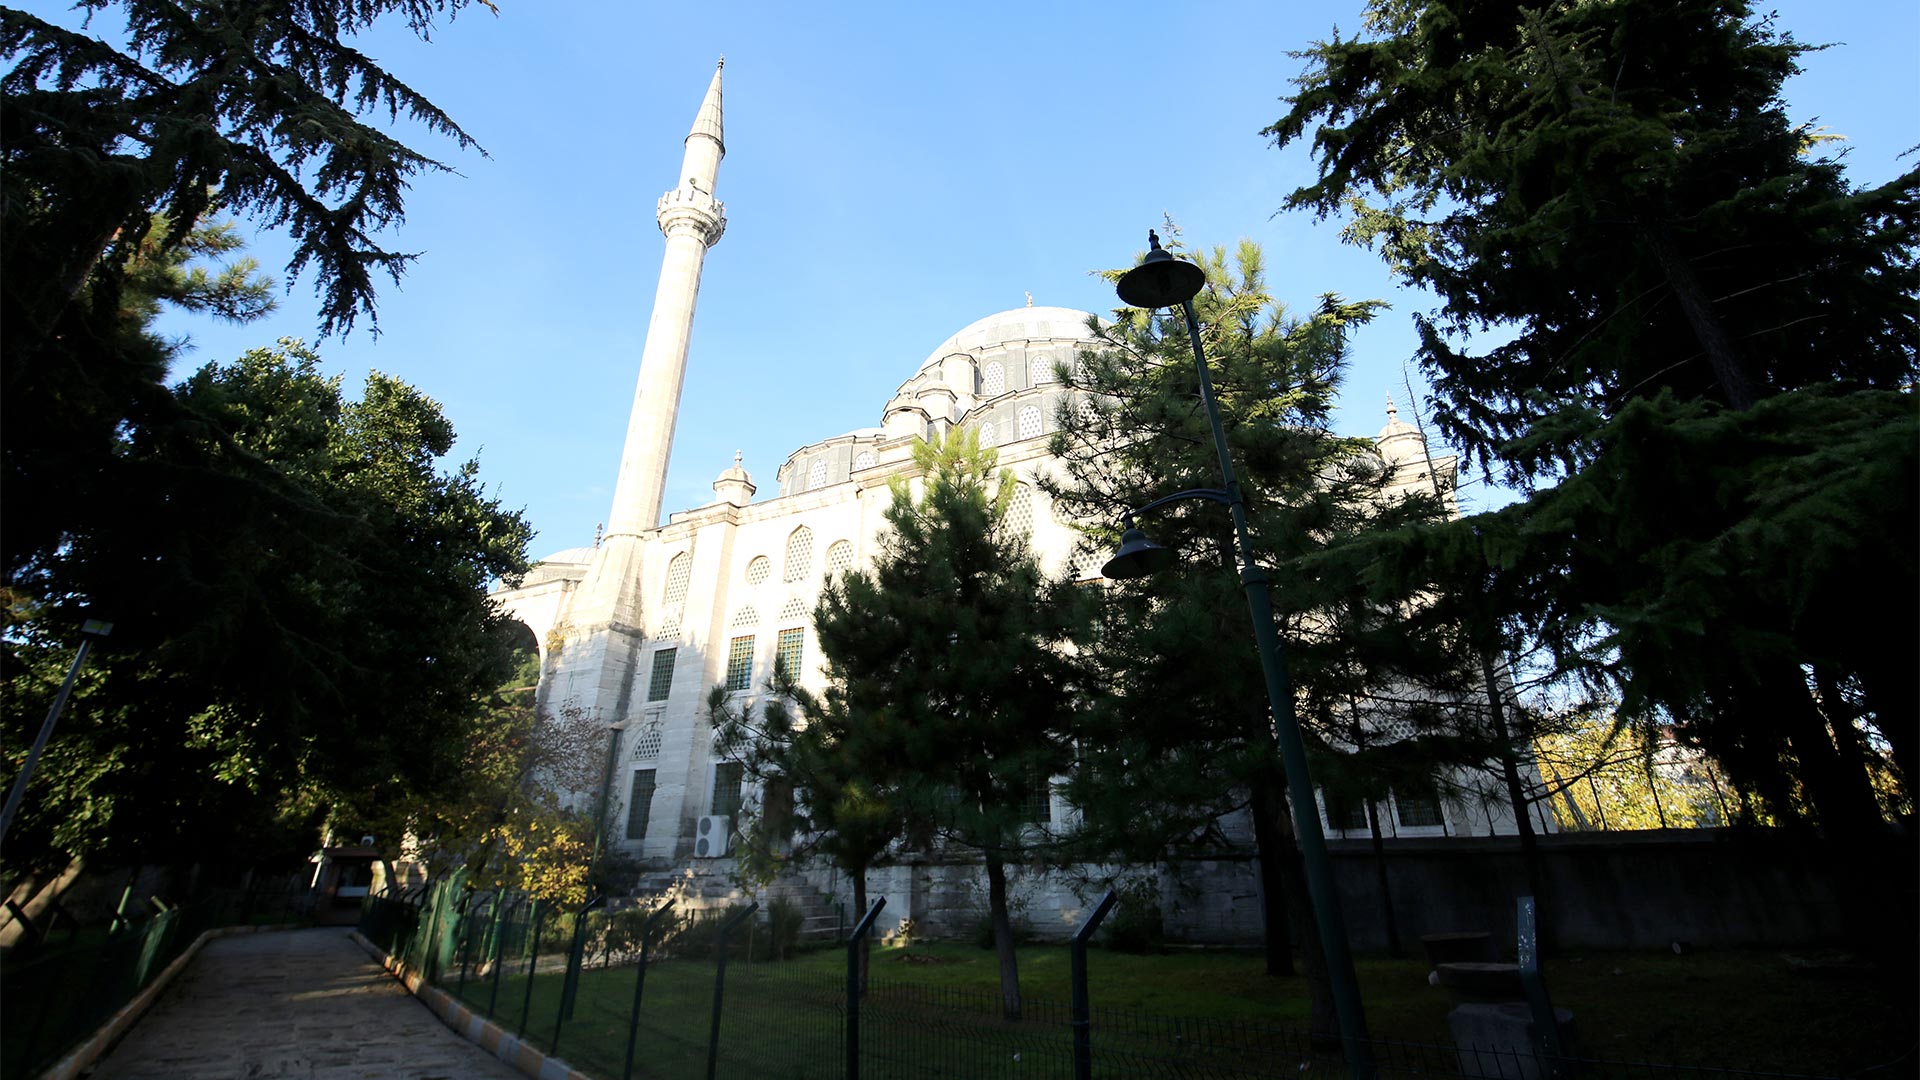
638 628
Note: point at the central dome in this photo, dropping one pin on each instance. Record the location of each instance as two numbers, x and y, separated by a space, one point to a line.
1014 324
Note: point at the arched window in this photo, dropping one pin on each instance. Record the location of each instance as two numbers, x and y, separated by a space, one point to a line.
795 610
988 437
839 557
679 572
1040 367
864 461
817 475
993 380
745 619
1031 423
1020 510
799 555
759 570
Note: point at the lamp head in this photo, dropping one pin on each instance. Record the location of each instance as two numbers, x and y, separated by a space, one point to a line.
1137 558
1160 280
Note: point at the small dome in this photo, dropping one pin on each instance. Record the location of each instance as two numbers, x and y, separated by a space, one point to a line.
734 473
1399 442
575 556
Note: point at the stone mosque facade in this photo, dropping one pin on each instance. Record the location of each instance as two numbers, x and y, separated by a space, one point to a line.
637 629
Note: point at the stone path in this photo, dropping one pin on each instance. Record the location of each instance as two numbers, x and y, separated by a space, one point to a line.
302 1003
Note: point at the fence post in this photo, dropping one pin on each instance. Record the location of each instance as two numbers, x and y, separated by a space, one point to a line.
533 960
639 985
570 984
1082 1011
495 954
720 983
854 990
1546 1027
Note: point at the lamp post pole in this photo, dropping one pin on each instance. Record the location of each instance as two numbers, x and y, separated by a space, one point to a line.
1161 281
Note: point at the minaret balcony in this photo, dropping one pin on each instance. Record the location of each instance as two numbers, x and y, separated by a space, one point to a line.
689 208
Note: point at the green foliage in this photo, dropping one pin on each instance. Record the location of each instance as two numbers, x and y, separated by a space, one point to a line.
1135 925
114 161
1704 364
298 593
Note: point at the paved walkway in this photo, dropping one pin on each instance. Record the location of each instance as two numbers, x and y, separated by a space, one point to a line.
301 1003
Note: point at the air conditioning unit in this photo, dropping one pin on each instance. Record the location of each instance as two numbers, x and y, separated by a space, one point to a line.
713 837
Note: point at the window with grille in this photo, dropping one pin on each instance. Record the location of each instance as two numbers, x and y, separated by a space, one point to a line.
745 619
759 570
1036 803
646 746
817 475
864 461
639 804
679 571
1345 813
792 644
669 626
1020 510
1089 412
793 611
993 382
661 682
740 663
1031 423
726 789
839 557
1417 805
987 435
1040 365
799 554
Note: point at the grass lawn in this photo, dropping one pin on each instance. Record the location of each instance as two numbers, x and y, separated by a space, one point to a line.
932 1011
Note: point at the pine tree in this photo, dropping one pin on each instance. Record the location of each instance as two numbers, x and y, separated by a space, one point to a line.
951 664
1184 735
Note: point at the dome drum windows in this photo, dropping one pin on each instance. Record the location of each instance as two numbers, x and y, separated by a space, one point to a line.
1032 421
993 379
865 461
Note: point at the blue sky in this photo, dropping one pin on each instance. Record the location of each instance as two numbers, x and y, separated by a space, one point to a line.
893 172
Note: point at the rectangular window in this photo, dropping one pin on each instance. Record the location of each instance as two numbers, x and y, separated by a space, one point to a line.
1418 805
740 663
662 681
1346 813
726 789
792 643
1036 803
639 804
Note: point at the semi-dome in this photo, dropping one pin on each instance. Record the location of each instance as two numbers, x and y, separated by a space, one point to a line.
573 556
1014 324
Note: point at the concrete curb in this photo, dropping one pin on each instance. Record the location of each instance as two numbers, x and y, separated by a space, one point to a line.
82 1057
471 1026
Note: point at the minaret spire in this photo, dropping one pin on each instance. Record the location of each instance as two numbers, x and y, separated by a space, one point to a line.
692 220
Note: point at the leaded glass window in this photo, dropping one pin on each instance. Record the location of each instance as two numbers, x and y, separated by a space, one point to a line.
1031 423
792 644
726 789
799 554
740 663
679 572
639 804
660 684
993 381
759 570
839 557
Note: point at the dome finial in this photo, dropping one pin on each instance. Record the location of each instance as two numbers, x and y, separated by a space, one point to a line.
1393 414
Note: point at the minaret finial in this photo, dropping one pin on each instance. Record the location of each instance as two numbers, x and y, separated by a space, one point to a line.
1393 414
1029 299
736 457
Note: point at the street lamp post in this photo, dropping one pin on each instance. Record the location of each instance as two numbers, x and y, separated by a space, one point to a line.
1163 281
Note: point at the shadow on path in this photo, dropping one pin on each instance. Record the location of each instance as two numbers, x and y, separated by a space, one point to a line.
302 1003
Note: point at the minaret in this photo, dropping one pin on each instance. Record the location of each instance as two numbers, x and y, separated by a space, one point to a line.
692 220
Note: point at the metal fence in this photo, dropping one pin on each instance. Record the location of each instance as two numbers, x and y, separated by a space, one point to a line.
645 991
64 979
